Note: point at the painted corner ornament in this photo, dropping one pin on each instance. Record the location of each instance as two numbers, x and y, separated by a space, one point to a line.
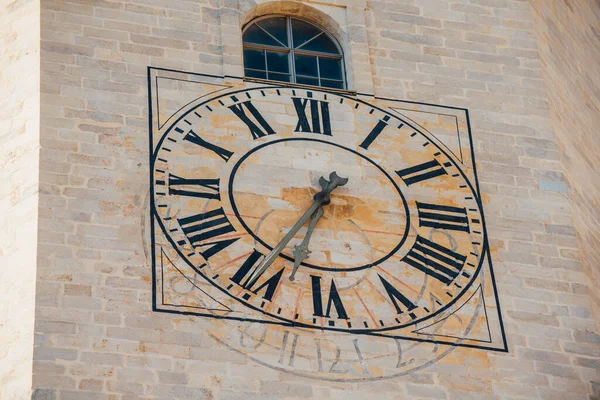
373 271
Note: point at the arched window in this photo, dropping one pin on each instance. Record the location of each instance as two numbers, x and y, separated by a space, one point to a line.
288 49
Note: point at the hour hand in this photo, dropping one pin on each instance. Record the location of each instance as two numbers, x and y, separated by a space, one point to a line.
302 252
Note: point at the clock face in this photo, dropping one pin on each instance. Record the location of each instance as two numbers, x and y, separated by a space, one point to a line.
233 175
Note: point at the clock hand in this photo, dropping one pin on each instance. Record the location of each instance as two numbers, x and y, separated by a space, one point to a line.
302 252
319 199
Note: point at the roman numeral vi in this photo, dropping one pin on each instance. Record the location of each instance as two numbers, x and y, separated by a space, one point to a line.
334 300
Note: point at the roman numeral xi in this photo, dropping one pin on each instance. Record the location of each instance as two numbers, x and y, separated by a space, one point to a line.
258 126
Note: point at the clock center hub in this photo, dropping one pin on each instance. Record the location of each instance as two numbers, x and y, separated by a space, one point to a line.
367 221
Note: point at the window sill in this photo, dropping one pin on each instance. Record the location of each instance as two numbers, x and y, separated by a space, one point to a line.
300 85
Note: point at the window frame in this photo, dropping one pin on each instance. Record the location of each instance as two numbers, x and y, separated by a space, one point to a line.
291 52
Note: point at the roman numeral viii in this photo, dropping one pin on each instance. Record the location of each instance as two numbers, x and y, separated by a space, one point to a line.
193 138
421 172
443 217
242 276
202 188
319 123
334 300
258 129
203 231
437 261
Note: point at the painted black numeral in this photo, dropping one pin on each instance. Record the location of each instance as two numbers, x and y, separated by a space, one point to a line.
201 229
334 299
321 123
221 152
381 124
443 217
256 130
203 188
395 295
241 277
435 260
421 172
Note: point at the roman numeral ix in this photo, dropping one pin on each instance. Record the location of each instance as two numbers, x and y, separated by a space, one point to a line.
435 260
203 231
242 276
421 172
319 123
202 188
443 217
258 129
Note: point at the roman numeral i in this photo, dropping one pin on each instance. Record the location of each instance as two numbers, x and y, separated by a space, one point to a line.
333 300
319 122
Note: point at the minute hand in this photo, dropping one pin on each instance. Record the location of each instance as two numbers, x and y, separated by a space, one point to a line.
320 199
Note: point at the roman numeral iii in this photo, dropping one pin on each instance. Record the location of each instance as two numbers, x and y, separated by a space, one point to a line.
421 172
443 217
202 188
319 122
241 277
435 260
203 231
333 300
258 129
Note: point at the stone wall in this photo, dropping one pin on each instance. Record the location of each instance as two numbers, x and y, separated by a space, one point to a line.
568 36
97 337
19 182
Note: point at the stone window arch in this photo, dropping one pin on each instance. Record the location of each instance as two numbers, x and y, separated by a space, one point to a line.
284 48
